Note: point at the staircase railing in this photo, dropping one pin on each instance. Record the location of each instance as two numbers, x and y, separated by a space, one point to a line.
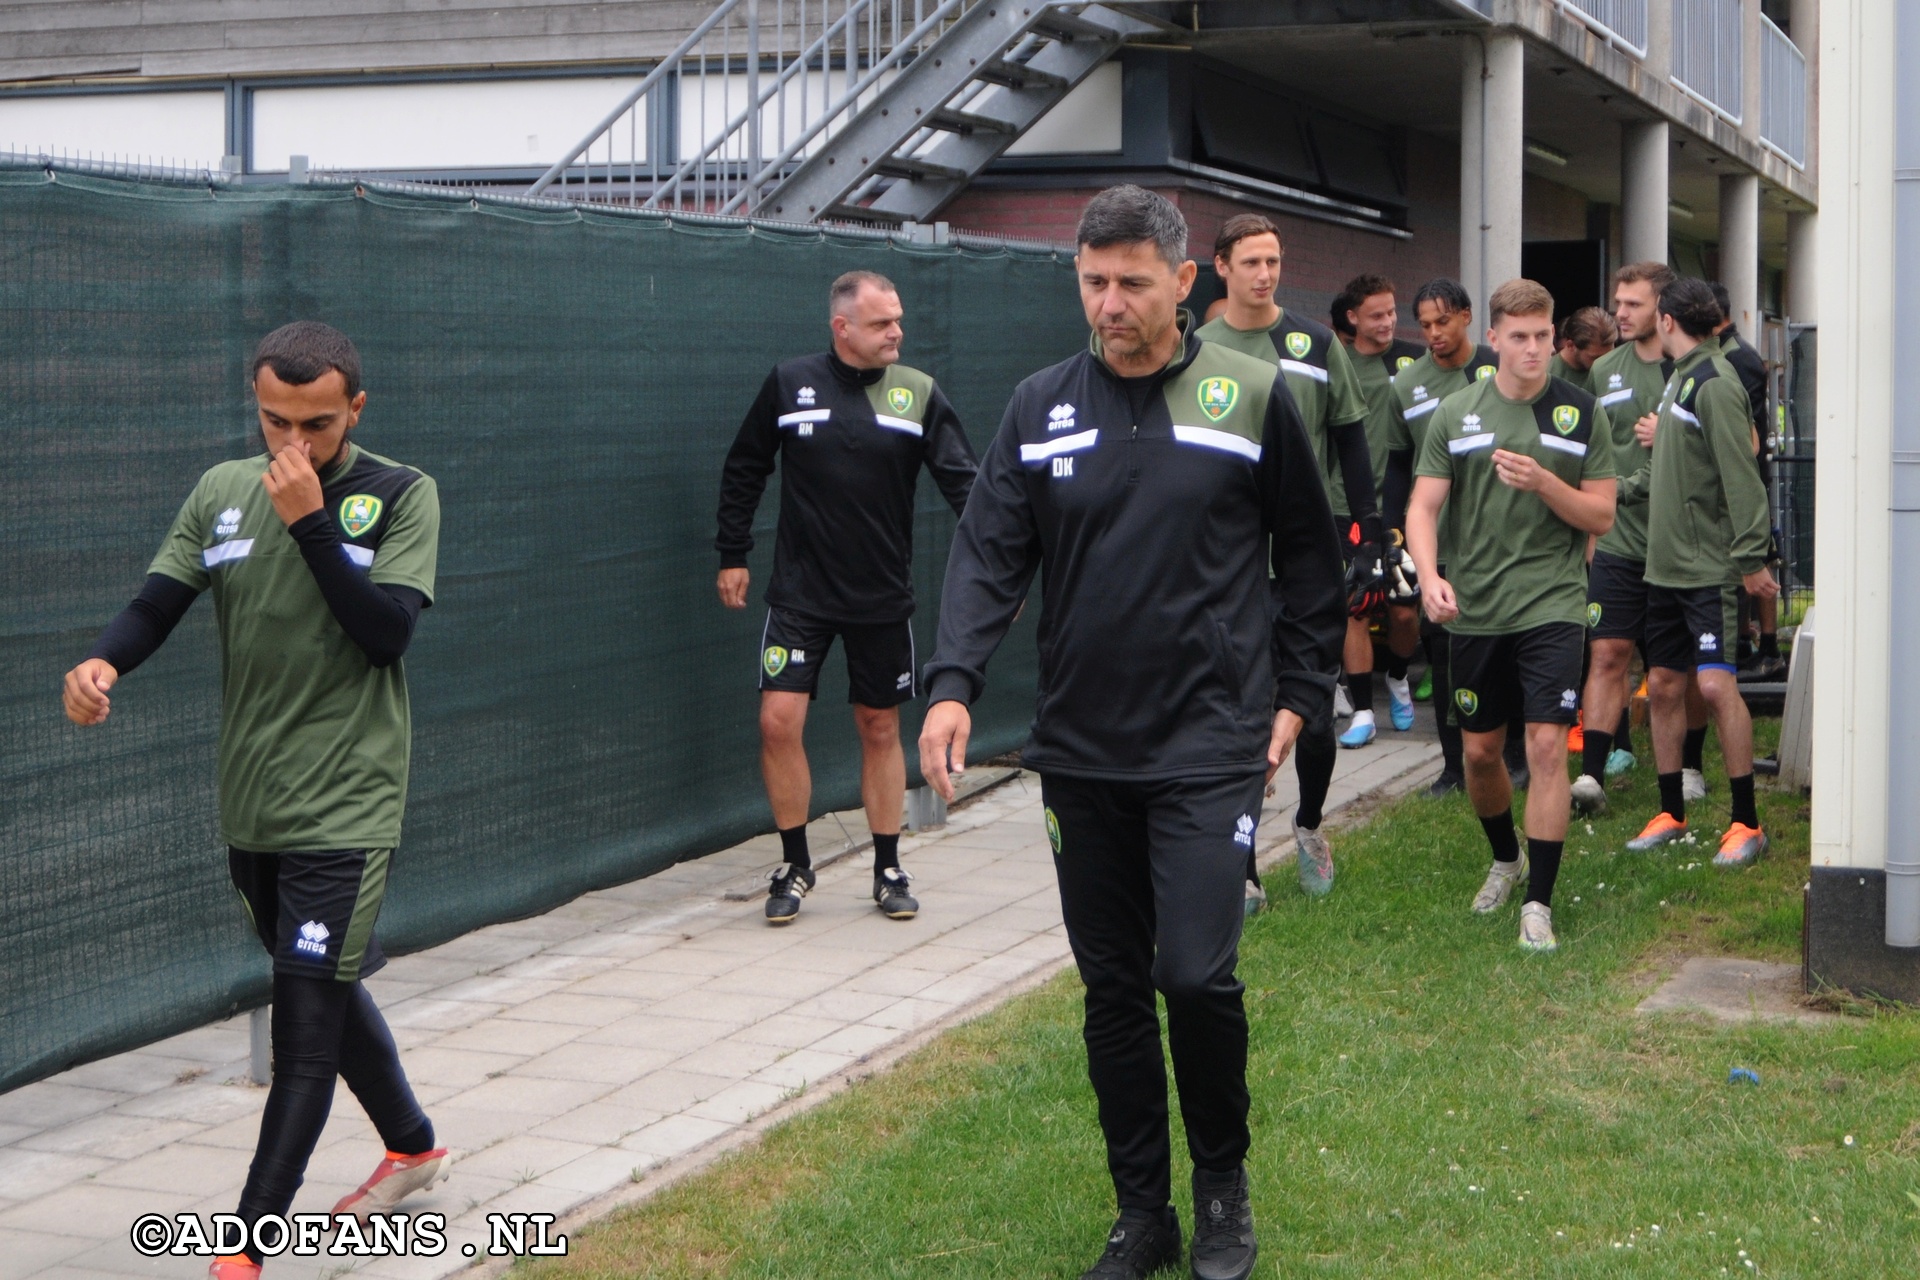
758 84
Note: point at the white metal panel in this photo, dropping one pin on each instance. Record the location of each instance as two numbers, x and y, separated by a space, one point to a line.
190 127
1085 122
472 124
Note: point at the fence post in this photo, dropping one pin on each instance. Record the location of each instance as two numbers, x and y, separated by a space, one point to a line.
925 809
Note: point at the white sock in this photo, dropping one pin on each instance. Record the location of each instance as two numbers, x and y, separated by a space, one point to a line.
1400 690
1362 717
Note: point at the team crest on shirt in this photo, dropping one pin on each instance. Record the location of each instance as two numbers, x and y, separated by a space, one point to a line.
1299 344
1686 390
228 524
900 399
1402 363
1486 371
774 660
1467 700
1565 418
1217 397
1593 614
1053 831
359 512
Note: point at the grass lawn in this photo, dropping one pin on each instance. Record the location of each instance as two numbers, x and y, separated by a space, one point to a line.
1428 1101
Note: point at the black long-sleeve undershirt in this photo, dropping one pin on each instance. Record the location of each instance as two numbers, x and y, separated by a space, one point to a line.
1398 489
1356 478
380 619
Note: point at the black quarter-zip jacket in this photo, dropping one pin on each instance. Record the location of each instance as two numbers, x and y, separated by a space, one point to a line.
1165 647
850 444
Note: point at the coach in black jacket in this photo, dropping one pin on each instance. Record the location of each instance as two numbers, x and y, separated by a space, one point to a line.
1144 478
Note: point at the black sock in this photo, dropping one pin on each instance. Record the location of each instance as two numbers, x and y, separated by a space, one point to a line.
1671 801
1396 666
1439 664
886 851
1313 757
1499 829
1543 868
1623 732
793 845
1695 749
1744 812
1593 756
1769 644
1360 687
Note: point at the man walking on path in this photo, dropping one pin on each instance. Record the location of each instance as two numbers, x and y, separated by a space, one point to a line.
851 428
1523 464
1706 538
1320 377
1152 480
320 557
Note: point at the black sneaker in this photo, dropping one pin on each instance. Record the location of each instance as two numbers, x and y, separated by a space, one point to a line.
890 891
1765 668
1223 1243
786 886
1141 1244
1446 784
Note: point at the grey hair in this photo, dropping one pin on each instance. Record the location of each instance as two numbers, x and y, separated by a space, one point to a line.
840 296
1129 215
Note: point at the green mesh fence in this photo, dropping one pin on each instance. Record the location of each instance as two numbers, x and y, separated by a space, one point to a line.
584 709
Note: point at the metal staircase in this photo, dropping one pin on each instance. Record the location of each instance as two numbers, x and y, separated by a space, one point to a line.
883 116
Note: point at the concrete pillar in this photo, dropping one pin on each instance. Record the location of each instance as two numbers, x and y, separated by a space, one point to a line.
1803 20
1643 191
1492 147
1740 248
1750 70
1802 263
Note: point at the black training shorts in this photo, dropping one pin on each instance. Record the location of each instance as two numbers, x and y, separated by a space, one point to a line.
1616 598
881 664
1534 674
314 912
1691 628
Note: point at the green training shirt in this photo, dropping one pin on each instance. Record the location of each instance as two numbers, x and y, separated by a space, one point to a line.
1628 388
314 739
1318 373
1706 507
1514 565
1386 429
1418 390
1559 368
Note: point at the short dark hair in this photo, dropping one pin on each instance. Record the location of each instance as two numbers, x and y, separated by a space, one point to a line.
1690 303
1722 299
1587 326
1342 303
1128 214
1657 274
1364 286
1239 227
1449 293
847 286
306 351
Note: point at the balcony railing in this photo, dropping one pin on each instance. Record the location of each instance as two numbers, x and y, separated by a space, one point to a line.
1783 95
1706 54
1619 22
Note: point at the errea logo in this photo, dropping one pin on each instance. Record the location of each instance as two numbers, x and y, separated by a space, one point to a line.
1243 831
313 939
1709 642
804 397
1060 418
1614 382
1470 423
1420 392
229 523
1568 699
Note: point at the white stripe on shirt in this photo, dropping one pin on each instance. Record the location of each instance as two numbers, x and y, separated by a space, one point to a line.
1615 397
907 425
1211 439
804 415
220 553
1573 447
1064 444
1425 406
1466 444
1304 369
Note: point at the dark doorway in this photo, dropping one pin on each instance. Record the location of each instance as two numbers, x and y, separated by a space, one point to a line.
1574 272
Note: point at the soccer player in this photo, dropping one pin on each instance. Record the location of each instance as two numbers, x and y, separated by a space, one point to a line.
1247 254
1373 318
1176 677
1585 336
1629 381
1706 536
1452 361
320 556
851 428
1747 361
1523 464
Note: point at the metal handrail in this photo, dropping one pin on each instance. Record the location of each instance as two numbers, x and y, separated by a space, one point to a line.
1783 95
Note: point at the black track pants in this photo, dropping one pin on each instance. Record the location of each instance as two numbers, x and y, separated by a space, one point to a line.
1151 878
